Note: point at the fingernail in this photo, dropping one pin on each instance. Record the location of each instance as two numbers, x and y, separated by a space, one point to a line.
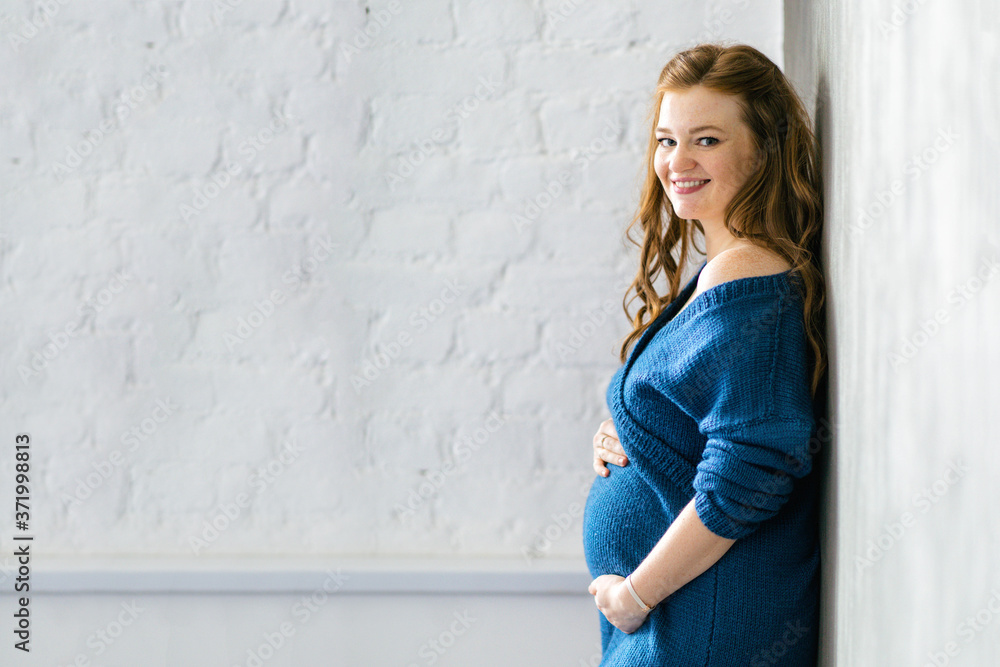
621 461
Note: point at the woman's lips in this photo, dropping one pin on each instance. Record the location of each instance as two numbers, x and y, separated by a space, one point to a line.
700 183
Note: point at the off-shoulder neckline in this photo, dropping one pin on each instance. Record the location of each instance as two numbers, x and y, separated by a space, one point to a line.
771 283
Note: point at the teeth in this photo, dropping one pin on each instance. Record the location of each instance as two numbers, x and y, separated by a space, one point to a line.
688 184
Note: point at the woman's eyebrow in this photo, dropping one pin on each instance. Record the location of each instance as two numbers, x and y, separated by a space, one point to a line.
694 129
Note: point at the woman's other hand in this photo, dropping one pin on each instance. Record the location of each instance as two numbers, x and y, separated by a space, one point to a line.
607 448
618 606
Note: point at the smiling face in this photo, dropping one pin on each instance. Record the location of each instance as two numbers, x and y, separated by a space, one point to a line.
701 138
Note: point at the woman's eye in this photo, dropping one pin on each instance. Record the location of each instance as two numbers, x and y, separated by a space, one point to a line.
669 141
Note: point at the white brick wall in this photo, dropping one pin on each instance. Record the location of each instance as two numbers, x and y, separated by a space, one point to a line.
303 263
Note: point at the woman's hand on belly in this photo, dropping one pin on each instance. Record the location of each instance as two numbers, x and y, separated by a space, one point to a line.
616 603
607 448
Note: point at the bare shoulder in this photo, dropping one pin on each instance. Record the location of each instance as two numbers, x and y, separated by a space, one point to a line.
741 262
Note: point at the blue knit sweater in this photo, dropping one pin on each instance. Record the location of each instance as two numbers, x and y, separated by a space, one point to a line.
714 404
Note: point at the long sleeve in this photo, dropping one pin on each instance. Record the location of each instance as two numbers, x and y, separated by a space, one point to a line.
746 384
747 473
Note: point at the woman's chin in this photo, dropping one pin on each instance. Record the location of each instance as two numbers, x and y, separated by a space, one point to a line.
690 213
686 212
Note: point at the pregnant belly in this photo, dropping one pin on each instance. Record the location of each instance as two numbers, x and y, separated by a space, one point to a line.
622 521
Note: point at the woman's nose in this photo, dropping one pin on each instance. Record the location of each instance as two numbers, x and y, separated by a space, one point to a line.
680 160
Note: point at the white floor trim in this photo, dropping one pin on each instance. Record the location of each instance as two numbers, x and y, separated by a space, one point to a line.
280 574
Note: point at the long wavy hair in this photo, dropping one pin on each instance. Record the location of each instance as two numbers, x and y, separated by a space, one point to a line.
779 207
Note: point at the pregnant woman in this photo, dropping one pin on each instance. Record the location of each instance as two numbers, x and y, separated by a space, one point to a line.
702 534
